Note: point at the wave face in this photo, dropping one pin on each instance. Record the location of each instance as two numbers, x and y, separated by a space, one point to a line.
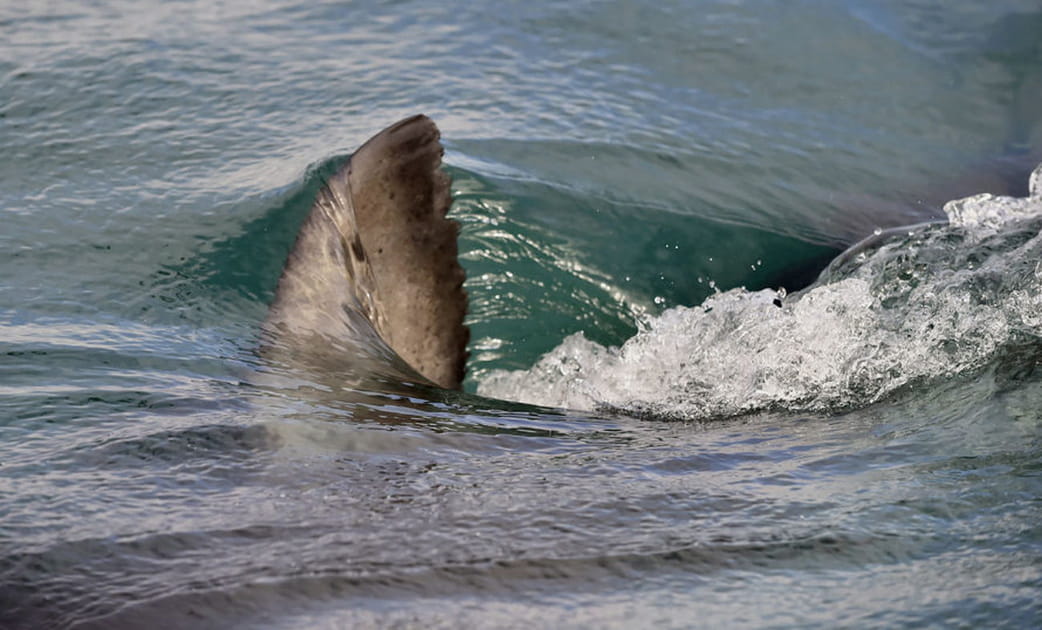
929 305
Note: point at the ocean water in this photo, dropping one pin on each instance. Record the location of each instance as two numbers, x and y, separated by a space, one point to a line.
653 432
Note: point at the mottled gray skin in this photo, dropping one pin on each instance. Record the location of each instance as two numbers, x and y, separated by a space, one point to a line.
373 276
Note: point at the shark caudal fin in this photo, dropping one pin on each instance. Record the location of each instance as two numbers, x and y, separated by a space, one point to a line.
376 254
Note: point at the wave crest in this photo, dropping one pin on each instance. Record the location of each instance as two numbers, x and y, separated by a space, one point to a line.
929 305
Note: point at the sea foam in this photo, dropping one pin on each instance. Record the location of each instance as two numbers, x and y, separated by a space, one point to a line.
934 303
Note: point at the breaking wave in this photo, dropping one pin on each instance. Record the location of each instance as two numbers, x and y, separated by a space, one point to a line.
928 304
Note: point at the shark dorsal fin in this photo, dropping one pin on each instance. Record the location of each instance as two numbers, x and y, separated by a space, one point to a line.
376 252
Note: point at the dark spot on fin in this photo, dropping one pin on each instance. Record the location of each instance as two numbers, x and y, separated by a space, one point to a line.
356 249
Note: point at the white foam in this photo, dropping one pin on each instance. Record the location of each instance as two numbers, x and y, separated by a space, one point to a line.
926 306
983 215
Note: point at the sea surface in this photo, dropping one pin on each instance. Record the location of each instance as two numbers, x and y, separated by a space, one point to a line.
665 423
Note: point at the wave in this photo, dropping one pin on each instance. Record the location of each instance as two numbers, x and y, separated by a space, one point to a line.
932 303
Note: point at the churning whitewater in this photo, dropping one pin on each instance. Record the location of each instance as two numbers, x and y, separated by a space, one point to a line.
936 302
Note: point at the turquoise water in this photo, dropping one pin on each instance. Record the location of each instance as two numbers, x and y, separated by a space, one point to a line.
866 455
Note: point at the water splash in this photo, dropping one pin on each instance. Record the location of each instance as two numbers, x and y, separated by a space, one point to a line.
931 304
